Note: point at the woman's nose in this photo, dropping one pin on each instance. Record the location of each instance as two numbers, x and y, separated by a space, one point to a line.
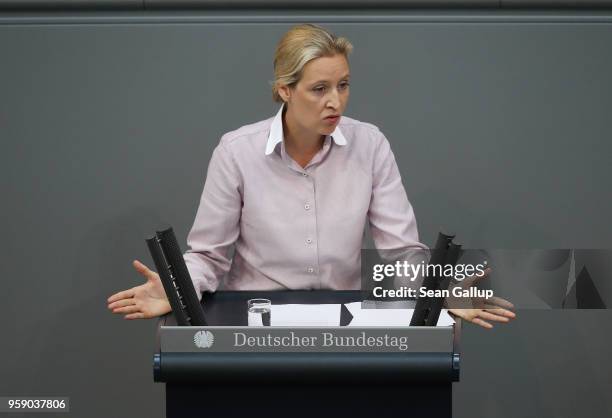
334 99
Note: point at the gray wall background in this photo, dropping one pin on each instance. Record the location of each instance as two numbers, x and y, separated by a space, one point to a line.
107 123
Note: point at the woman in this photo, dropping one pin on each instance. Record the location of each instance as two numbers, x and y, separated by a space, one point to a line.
293 192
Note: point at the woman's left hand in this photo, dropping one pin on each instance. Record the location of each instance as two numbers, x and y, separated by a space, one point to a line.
481 310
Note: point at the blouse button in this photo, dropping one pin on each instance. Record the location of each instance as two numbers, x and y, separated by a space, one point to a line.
310 270
307 206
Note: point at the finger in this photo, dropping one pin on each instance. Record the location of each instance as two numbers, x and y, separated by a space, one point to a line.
482 323
141 268
137 315
500 302
492 317
125 294
127 310
467 282
499 311
485 273
121 303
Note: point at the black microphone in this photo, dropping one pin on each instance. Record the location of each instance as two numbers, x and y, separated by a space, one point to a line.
175 278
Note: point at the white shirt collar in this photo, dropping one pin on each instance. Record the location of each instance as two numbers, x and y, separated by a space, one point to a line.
276 135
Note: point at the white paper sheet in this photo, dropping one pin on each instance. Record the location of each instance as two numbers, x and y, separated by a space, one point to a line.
326 315
388 317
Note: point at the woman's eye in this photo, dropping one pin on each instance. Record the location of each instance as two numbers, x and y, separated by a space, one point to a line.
319 89
343 86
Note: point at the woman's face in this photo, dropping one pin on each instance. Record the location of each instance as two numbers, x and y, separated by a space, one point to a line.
316 102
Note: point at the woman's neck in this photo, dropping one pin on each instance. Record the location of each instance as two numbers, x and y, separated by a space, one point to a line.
299 144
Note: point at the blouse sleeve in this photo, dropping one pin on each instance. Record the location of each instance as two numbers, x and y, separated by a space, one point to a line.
390 214
216 226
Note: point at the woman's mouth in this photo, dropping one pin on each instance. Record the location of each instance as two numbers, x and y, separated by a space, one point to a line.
332 119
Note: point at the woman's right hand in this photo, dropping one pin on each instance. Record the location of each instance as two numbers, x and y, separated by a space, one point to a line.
145 301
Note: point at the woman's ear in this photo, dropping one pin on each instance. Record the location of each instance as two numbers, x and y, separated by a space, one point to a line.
284 91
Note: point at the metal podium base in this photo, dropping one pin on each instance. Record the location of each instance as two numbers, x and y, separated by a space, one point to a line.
418 400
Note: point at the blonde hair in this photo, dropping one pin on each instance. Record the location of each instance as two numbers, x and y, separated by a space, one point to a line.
297 47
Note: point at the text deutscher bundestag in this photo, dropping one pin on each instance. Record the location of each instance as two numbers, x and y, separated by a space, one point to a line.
325 339
412 271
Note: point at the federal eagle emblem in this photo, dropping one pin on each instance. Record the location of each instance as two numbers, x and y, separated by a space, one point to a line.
203 339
